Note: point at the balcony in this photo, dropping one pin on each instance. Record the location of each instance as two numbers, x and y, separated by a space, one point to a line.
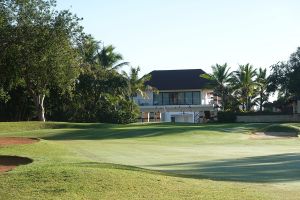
176 108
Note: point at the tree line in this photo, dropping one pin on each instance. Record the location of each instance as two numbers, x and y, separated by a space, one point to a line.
246 87
51 69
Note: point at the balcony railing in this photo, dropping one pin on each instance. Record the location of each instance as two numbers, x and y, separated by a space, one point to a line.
146 103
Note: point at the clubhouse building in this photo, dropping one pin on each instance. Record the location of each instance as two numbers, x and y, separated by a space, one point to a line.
183 96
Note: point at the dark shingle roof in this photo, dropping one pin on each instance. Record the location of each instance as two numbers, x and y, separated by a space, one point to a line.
177 79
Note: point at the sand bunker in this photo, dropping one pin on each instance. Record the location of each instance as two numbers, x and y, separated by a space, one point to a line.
8 163
273 135
8 141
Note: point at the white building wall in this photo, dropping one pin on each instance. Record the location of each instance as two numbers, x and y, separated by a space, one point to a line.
187 117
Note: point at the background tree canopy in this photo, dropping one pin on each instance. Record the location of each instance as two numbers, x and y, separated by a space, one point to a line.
285 77
51 69
247 87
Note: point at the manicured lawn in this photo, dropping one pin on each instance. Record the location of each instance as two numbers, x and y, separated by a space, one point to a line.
155 161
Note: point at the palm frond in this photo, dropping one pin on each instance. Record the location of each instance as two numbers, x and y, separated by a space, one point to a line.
120 65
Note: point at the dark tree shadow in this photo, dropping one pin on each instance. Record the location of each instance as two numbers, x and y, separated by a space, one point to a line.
105 131
260 169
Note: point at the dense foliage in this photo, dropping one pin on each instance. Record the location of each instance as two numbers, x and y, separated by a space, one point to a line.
248 89
285 78
279 82
50 69
241 89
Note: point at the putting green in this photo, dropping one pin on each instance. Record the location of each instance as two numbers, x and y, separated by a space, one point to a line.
211 161
217 152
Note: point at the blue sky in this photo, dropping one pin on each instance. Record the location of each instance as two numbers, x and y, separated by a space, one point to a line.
177 34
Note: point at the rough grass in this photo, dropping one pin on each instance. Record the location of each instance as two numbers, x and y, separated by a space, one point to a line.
155 161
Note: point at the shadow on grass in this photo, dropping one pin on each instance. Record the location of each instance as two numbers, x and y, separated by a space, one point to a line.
115 166
66 125
109 131
260 169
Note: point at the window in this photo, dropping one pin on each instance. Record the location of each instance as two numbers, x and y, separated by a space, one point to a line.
196 98
181 98
177 98
157 99
166 100
188 98
173 98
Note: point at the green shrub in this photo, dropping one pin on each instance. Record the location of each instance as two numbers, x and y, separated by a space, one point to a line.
226 117
252 113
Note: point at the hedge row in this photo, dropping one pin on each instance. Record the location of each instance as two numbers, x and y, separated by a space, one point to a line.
261 113
230 117
227 117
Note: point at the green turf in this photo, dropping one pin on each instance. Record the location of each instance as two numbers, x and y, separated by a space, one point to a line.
154 161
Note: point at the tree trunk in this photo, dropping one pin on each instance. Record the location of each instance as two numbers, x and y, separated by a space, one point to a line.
261 102
39 104
223 101
131 106
248 104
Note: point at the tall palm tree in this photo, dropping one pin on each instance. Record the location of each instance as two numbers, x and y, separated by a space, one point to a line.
220 79
243 81
109 59
136 84
100 57
89 49
262 84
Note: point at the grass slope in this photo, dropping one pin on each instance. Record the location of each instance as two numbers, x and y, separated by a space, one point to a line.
155 161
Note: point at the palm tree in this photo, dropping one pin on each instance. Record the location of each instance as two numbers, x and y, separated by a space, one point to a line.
108 59
136 84
262 84
243 81
220 79
89 49
114 100
105 57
